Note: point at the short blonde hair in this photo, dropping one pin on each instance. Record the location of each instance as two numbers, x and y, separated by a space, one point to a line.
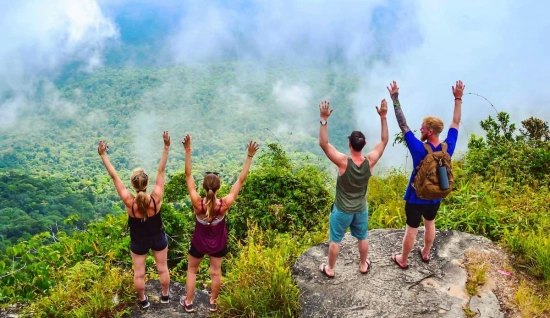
434 123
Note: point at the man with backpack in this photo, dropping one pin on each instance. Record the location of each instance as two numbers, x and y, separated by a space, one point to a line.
431 180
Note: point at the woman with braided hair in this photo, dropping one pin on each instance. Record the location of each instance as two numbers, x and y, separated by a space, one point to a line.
146 228
210 235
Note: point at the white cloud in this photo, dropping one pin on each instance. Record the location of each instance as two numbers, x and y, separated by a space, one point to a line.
38 38
496 47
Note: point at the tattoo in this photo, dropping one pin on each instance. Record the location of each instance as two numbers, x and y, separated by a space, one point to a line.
401 121
395 98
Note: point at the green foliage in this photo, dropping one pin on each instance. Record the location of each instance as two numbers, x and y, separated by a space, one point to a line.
33 204
86 290
500 130
281 196
385 200
259 283
524 159
532 248
535 130
33 267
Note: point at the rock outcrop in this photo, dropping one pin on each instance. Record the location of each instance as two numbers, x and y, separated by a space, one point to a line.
201 302
434 289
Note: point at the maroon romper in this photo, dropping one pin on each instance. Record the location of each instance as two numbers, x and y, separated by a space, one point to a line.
209 237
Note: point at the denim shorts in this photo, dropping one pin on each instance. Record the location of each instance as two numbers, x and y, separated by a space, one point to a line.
339 222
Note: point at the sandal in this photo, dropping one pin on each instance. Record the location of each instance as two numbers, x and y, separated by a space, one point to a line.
213 307
323 270
394 259
422 256
369 265
188 307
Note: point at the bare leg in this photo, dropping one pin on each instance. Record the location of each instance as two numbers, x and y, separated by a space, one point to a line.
162 268
408 243
216 274
139 274
333 251
363 246
192 269
429 236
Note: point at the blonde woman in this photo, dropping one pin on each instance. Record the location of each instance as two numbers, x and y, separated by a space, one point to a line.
146 228
210 235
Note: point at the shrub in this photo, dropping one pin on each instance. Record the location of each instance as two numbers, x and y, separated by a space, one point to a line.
259 283
282 196
86 290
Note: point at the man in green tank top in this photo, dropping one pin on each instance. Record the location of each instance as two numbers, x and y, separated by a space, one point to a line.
350 206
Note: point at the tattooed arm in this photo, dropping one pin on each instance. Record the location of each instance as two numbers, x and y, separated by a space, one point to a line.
394 93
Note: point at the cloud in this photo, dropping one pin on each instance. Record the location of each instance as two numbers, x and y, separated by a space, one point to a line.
496 48
268 30
39 38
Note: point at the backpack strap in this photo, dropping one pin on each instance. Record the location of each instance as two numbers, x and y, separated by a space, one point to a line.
444 146
428 147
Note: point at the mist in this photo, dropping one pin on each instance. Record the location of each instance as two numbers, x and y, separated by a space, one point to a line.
497 48
38 39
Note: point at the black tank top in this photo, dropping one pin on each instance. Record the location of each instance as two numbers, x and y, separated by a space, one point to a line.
140 227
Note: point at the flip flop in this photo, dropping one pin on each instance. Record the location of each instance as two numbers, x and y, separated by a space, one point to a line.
422 257
369 265
322 269
394 259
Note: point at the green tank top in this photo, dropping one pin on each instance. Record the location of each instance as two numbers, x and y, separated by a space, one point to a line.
351 187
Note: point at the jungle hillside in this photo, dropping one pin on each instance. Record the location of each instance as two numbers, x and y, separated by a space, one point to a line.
227 73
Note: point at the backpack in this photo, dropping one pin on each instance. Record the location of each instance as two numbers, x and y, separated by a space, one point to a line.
426 179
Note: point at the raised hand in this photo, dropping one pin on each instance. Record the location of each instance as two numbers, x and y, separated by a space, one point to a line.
394 91
252 148
166 138
324 110
186 142
458 90
102 148
383 110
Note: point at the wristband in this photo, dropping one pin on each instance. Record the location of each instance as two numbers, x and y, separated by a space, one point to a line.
251 156
460 99
396 105
188 149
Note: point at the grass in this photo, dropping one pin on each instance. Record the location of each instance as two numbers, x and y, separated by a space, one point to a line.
88 290
532 301
476 268
259 282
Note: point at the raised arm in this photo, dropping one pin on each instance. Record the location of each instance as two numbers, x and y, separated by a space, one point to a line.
458 91
124 194
401 121
334 155
230 198
378 150
158 191
191 187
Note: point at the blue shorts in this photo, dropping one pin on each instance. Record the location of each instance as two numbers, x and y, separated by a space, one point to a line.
340 221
